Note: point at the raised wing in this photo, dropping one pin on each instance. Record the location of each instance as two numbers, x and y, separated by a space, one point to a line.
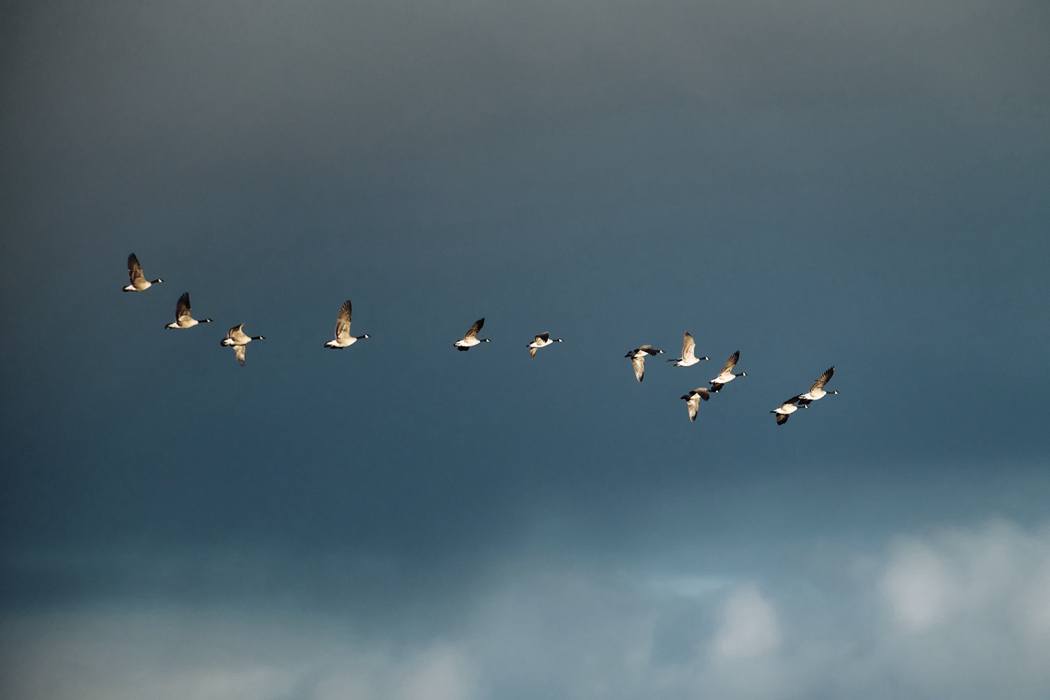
688 346
731 362
342 321
182 307
134 269
823 379
638 365
543 337
473 332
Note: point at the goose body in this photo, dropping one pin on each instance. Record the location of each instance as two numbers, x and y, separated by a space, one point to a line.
237 339
688 358
470 338
727 375
637 357
343 339
817 391
184 316
137 281
784 410
541 340
692 400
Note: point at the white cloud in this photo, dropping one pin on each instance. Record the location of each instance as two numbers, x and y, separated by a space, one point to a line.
749 626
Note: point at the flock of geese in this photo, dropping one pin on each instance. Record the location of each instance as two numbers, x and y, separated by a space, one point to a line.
237 339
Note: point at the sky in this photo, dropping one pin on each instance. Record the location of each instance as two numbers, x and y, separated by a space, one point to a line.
815 183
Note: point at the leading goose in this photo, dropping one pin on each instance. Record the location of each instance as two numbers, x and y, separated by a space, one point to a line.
183 315
692 400
817 391
688 358
637 357
541 340
138 281
784 410
237 339
726 375
470 338
343 339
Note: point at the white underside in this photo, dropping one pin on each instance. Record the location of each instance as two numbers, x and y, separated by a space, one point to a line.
724 378
341 342
687 362
468 343
787 410
816 395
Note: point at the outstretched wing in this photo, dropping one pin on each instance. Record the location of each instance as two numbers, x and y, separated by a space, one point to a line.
543 337
473 332
182 307
134 269
638 364
782 418
240 352
692 405
688 346
731 362
823 379
342 321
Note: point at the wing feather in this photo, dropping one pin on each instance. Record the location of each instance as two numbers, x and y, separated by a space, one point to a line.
342 321
823 379
731 362
473 332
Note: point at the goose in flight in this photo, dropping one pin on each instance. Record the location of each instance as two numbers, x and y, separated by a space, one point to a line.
138 280
688 358
541 340
726 375
692 400
237 339
817 391
637 357
470 338
343 339
183 315
784 410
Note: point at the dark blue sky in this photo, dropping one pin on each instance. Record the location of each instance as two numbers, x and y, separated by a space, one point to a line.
818 184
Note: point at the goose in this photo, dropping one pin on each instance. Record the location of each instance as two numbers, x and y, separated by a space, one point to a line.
183 316
237 339
784 410
343 339
688 358
817 391
470 338
542 340
726 375
692 400
638 359
139 283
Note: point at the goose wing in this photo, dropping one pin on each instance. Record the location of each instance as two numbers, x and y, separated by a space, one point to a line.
473 331
543 337
638 365
731 362
134 269
237 334
342 321
692 405
532 352
782 418
182 307
688 346
649 349
823 379
241 353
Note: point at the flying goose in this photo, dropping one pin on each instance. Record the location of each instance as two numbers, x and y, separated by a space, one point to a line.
470 338
784 410
343 339
542 340
237 339
139 283
726 375
692 400
688 358
817 392
183 316
638 359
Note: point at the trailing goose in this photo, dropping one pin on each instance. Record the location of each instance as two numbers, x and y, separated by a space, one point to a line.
726 375
183 316
139 283
784 410
343 339
817 391
688 358
637 357
237 339
541 340
470 338
692 400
